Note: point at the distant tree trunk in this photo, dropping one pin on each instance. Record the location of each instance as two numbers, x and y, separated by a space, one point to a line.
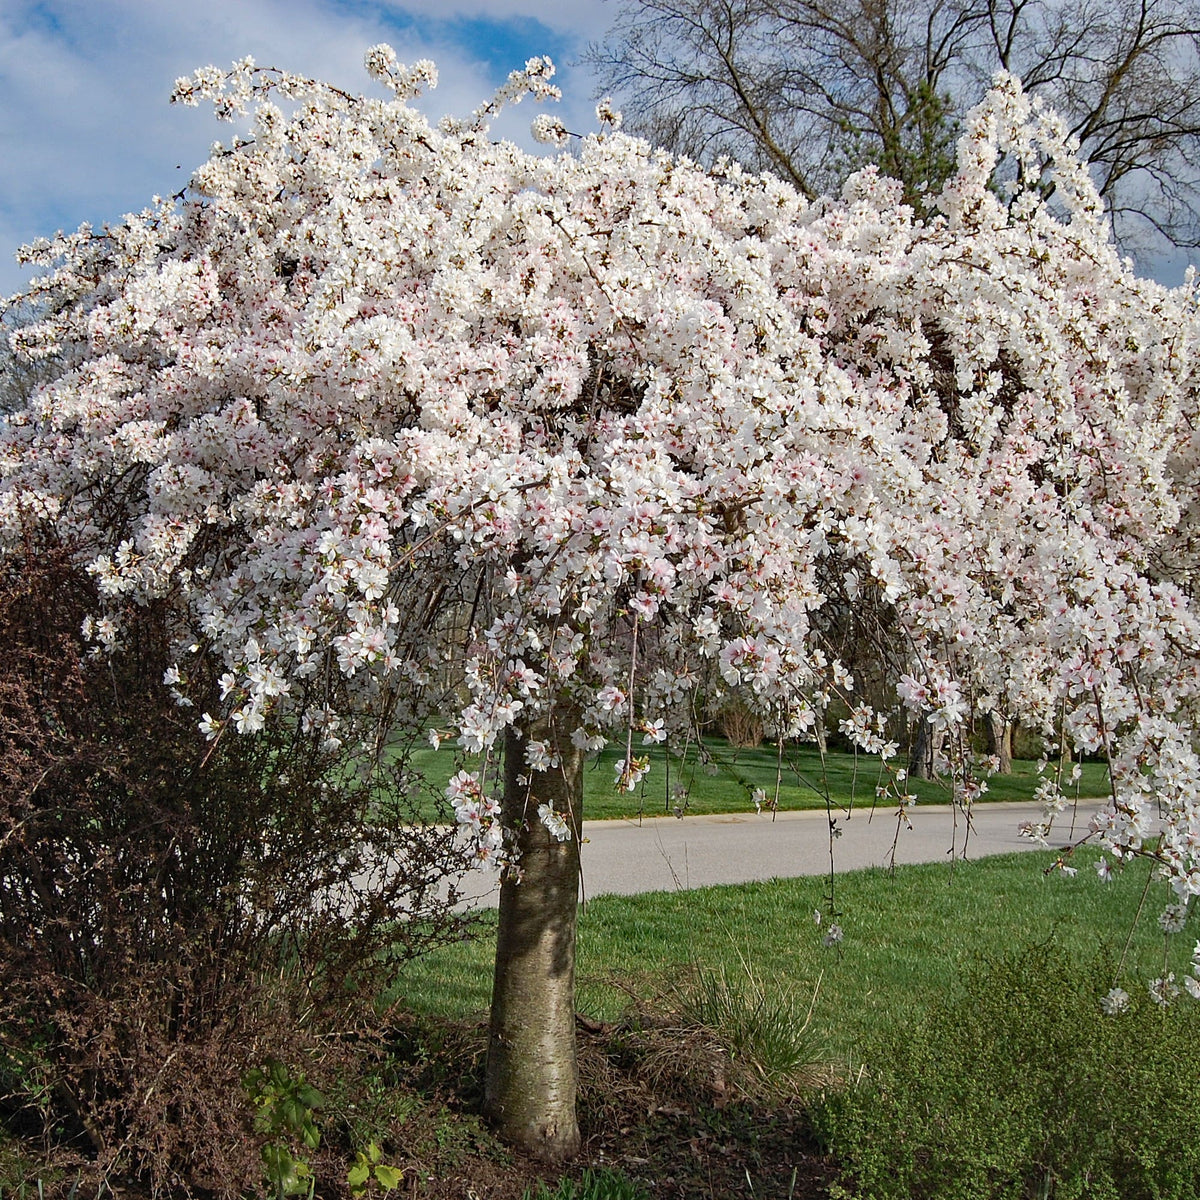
999 740
921 761
742 727
532 1073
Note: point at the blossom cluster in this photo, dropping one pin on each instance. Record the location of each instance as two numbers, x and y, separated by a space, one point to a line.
379 403
478 816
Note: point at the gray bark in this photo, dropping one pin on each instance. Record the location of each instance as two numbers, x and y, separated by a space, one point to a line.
999 740
532 1074
922 759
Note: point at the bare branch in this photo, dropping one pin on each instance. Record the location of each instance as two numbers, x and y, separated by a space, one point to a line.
815 89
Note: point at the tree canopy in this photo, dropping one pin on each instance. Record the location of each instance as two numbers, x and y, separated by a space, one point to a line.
375 401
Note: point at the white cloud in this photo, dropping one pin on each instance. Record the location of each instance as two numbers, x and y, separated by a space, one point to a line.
86 132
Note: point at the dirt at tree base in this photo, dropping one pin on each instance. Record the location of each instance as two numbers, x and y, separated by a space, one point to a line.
653 1108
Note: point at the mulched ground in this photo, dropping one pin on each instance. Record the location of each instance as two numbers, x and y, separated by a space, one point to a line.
659 1105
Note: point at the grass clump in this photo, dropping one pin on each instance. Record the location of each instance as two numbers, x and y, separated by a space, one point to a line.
763 1028
1016 1086
603 1184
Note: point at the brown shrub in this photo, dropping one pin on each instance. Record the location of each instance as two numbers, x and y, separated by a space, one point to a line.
742 727
174 912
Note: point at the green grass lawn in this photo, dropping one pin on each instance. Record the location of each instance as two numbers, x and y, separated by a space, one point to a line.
907 938
723 779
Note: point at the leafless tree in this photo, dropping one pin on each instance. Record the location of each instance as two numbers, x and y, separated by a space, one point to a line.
813 89
19 377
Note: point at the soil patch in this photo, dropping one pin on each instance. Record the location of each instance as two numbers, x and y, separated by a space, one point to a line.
658 1104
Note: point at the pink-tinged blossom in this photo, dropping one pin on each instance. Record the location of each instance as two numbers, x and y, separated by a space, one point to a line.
478 818
629 773
914 693
555 823
653 732
539 757
462 785
1173 917
611 699
1164 990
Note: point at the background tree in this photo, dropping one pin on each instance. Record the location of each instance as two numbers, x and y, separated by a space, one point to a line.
376 395
812 89
18 376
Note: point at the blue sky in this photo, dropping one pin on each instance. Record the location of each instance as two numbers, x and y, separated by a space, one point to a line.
86 132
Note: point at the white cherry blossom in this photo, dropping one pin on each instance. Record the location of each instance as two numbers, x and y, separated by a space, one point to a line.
387 409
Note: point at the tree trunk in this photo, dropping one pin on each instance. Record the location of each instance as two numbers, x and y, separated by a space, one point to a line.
999 740
531 1066
922 760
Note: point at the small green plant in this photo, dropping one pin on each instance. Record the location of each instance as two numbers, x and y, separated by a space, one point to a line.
285 1110
764 1026
603 1184
24 1177
368 1168
1018 1086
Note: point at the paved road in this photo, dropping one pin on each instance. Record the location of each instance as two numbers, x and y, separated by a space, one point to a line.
668 854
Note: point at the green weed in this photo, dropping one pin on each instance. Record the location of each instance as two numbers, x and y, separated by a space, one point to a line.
285 1111
603 1184
369 1171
